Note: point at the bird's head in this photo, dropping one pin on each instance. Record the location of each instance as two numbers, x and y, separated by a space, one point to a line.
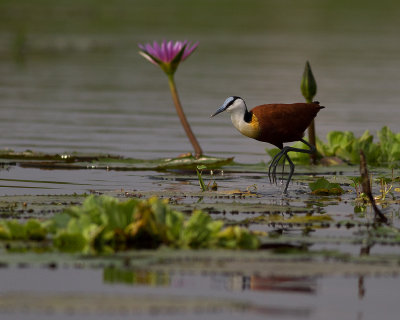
232 104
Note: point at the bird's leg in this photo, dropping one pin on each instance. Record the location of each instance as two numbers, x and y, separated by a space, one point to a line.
291 164
312 148
283 168
284 152
273 164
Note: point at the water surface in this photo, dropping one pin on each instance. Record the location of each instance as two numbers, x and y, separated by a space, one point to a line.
71 80
78 84
74 293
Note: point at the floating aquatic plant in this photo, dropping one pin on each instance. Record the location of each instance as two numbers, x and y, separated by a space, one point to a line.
105 224
345 146
108 224
13 230
168 56
324 187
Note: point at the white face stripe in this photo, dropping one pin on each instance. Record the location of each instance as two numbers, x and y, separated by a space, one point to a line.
228 101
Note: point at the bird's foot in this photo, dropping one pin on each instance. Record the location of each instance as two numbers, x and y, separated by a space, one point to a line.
274 165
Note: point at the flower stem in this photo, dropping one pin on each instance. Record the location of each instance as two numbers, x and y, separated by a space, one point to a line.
311 140
311 137
182 117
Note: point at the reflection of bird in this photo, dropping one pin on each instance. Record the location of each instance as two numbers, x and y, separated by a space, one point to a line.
275 124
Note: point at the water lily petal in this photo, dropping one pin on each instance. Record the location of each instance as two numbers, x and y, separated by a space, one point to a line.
163 52
157 51
170 53
150 50
147 57
189 50
176 47
167 55
178 57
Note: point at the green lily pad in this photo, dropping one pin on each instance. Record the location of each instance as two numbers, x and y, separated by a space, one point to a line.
324 187
107 162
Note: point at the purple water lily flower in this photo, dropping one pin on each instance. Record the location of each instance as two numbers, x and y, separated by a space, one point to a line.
167 55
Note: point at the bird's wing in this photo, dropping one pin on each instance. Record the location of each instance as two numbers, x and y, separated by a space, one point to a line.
280 123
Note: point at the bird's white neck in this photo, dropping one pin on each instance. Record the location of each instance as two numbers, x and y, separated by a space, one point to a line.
239 113
237 118
237 110
245 122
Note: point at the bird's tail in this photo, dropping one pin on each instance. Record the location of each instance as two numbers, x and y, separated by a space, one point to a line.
317 102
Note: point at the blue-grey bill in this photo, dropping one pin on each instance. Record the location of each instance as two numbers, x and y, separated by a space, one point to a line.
221 109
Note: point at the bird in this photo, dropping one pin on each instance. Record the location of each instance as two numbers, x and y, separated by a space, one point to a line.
276 124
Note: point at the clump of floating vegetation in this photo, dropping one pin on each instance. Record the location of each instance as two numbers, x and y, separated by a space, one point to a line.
105 224
324 187
345 146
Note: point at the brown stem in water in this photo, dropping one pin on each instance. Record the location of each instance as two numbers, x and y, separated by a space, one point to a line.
311 138
312 141
366 187
182 117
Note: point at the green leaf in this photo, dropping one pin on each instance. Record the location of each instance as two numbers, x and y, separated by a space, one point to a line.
17 230
168 220
201 182
59 221
34 230
272 152
5 233
299 157
201 231
234 237
366 137
70 242
324 187
356 181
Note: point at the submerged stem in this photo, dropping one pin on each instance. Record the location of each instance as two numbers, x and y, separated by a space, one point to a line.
182 117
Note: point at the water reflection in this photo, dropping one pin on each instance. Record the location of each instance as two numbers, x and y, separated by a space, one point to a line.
28 293
222 281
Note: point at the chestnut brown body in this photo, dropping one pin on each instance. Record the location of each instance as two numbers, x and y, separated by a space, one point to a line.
280 123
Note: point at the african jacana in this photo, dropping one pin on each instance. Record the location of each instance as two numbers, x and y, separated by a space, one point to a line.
275 124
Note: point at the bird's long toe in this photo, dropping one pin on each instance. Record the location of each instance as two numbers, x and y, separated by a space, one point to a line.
274 172
269 173
275 165
270 169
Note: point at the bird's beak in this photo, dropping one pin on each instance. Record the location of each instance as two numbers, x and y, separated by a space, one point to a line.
221 109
